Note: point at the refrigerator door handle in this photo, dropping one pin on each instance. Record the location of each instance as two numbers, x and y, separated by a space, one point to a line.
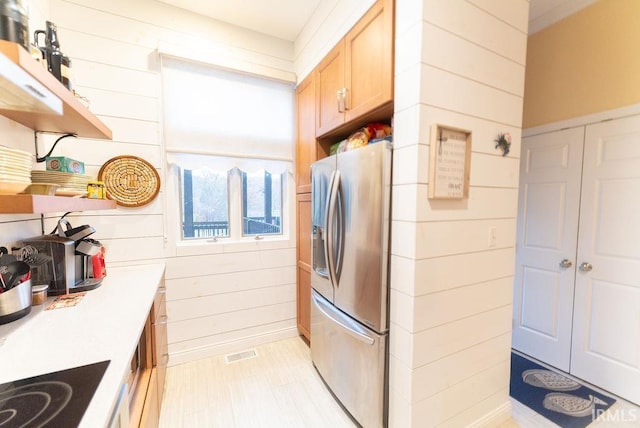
328 237
340 220
331 214
350 326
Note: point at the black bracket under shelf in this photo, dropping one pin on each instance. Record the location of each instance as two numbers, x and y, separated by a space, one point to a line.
43 158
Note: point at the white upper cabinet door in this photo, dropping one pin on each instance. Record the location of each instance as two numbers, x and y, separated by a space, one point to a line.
548 204
606 344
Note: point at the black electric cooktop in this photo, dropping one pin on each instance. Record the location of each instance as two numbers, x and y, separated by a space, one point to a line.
57 399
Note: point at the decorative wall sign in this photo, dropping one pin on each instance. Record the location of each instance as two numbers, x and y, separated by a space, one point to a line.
130 180
449 162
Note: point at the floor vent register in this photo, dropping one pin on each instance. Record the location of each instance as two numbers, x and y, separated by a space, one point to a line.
239 356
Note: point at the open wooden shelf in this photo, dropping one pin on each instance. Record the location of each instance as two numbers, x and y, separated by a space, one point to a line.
27 204
75 119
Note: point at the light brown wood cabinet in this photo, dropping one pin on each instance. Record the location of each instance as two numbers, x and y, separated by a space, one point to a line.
303 275
147 389
306 154
305 133
356 77
140 378
329 77
151 412
159 342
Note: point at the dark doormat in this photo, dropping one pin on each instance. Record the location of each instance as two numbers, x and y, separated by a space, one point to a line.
558 398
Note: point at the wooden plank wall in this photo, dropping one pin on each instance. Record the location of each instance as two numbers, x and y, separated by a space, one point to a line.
223 298
459 63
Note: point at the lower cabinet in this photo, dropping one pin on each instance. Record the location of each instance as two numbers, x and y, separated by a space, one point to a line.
149 367
160 346
151 411
304 264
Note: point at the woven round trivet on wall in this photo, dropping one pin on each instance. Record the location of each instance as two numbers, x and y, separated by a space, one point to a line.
130 180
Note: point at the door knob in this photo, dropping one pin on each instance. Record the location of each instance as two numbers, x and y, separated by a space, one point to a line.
585 267
566 263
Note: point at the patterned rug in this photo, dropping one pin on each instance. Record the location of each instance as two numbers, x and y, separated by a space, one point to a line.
558 398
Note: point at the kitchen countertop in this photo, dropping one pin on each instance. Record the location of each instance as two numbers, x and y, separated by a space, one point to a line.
105 325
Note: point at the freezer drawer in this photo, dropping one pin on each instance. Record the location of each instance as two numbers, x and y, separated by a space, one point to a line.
352 361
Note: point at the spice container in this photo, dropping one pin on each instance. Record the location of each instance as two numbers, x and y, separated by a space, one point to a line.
95 190
38 294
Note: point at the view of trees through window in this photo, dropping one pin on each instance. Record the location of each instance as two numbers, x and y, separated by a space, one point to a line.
205 203
205 195
262 203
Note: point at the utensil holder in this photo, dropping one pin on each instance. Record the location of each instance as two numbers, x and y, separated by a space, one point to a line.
16 302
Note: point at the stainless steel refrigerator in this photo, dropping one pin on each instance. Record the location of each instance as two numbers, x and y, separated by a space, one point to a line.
349 278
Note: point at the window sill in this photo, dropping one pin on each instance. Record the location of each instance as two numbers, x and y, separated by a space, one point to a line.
226 245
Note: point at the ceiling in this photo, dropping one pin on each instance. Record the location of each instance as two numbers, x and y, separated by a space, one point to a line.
543 13
285 19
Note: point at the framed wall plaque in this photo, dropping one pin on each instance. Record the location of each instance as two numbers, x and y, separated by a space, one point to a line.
449 162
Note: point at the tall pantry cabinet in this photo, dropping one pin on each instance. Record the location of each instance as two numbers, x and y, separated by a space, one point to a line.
350 87
305 156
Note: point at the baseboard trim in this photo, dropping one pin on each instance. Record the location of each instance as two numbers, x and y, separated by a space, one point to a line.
494 418
230 346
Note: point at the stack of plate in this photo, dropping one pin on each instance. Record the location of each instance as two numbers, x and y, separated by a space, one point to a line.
15 168
70 184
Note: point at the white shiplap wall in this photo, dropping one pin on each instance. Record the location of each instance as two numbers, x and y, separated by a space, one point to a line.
227 297
459 63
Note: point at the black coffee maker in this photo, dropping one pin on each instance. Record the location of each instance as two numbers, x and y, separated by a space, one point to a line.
63 259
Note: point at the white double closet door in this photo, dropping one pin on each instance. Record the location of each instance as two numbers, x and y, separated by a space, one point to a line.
577 281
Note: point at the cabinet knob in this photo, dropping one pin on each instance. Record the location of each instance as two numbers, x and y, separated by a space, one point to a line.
585 267
566 264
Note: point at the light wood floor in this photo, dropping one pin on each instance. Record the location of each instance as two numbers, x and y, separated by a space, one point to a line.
280 388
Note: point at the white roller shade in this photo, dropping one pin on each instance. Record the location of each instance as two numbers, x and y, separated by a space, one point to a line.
228 117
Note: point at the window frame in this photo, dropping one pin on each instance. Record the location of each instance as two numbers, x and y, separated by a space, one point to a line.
181 172
203 246
243 207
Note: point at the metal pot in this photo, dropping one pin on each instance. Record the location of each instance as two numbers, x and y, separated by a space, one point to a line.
16 302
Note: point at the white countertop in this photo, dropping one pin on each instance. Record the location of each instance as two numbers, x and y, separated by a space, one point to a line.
105 325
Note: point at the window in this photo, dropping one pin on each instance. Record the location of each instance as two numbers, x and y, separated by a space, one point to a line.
206 200
229 140
205 203
261 203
